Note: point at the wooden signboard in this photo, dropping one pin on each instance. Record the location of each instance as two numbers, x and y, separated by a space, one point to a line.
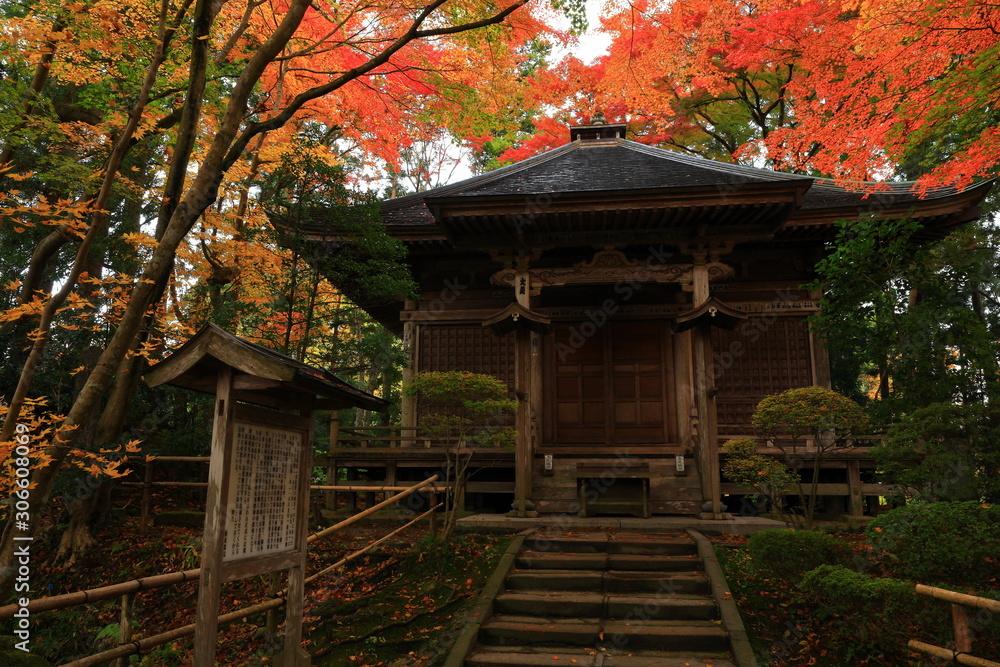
255 522
258 481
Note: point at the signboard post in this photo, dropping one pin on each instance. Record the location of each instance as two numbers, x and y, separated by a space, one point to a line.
256 517
255 522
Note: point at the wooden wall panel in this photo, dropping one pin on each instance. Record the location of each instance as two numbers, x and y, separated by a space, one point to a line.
764 356
467 347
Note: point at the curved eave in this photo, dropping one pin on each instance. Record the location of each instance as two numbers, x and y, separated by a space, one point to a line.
751 210
939 215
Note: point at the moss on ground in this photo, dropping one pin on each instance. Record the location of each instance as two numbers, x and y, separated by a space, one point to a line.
414 614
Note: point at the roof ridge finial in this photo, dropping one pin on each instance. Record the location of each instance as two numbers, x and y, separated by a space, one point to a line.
598 118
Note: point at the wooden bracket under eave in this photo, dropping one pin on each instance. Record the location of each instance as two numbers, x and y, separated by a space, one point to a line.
711 312
516 316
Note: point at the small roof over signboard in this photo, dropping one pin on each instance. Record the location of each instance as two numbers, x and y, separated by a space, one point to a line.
260 376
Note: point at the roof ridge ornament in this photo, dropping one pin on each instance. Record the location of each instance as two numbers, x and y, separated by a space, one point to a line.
597 131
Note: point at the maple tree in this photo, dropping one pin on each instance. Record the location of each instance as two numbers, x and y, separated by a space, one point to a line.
135 138
843 89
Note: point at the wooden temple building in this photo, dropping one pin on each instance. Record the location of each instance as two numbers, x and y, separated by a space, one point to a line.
639 302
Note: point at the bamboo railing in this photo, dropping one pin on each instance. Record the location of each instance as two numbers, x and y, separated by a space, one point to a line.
960 602
147 485
126 590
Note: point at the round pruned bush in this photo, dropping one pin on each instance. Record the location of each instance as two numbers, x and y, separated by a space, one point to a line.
791 553
954 543
875 616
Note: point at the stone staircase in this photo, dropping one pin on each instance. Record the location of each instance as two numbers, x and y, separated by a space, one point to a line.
611 599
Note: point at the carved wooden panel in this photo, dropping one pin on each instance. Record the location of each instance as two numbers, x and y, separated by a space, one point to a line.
763 356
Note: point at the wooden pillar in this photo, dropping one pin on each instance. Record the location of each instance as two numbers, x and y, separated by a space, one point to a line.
708 431
522 456
684 388
856 506
408 407
536 406
216 515
704 382
820 361
292 653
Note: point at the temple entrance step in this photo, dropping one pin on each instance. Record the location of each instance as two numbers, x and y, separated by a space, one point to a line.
581 605
587 658
605 598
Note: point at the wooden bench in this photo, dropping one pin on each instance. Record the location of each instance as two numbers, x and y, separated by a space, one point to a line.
602 489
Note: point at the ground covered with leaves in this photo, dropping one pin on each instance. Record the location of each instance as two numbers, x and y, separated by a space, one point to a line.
398 605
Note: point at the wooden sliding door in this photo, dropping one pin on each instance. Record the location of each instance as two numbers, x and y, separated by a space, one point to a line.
611 387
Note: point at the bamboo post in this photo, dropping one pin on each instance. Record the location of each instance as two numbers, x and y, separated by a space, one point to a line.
331 465
960 619
433 517
125 627
147 488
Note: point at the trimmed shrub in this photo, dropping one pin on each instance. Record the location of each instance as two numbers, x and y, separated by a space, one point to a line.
875 616
789 554
939 543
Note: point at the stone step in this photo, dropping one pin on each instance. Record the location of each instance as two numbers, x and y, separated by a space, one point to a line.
500 656
536 560
601 543
611 582
624 636
565 605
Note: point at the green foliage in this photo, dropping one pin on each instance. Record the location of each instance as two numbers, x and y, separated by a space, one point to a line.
788 554
939 543
766 475
827 417
809 411
365 262
945 452
875 616
460 405
464 410
909 320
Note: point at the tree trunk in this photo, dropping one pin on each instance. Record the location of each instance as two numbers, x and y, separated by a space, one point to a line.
226 147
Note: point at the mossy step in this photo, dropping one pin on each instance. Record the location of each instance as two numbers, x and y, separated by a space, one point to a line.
613 582
635 635
501 656
602 561
599 543
567 605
